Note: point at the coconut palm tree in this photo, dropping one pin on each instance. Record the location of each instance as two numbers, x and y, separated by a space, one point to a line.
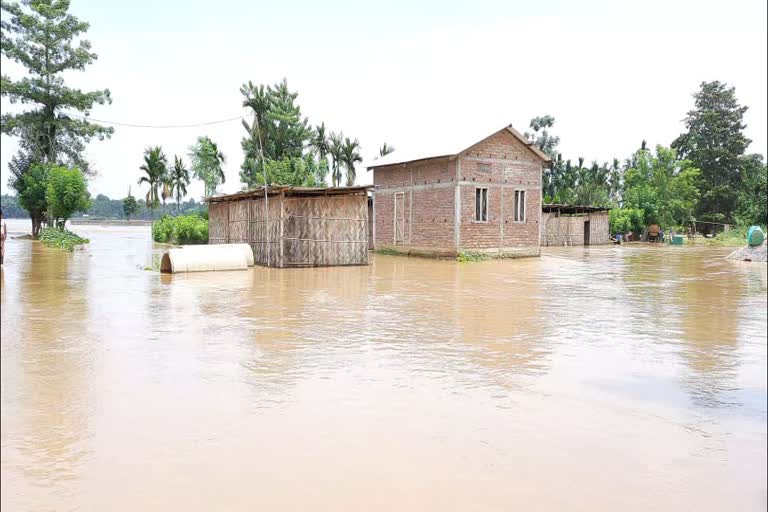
154 168
386 149
178 180
319 141
336 150
350 156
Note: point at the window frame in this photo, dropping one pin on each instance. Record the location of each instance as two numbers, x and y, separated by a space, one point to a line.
487 205
520 217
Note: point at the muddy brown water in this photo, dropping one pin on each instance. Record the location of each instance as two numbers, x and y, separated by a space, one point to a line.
608 378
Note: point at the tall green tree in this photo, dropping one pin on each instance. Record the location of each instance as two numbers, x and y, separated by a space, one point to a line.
43 37
31 187
178 179
130 206
319 141
66 193
752 199
207 161
350 157
714 143
541 137
663 186
155 169
336 150
278 130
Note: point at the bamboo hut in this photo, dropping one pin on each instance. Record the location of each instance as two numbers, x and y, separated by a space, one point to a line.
294 226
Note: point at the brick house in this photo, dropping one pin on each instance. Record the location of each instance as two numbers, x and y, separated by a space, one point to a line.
483 197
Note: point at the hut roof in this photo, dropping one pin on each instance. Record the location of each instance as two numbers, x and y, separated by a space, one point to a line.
449 148
571 208
291 191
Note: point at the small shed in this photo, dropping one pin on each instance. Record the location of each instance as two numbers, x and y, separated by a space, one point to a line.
567 224
294 226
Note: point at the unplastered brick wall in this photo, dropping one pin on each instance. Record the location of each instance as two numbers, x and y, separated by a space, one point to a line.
501 159
483 235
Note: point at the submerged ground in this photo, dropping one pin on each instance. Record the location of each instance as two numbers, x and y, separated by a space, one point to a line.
614 378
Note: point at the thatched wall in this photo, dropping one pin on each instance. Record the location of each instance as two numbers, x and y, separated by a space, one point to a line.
300 230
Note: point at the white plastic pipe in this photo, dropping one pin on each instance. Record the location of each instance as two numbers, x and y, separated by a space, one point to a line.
245 248
202 258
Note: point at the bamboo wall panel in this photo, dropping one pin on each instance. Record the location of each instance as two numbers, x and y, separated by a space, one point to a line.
296 231
218 223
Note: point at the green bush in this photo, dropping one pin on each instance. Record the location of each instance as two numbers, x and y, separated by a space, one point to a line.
61 238
470 256
185 229
623 220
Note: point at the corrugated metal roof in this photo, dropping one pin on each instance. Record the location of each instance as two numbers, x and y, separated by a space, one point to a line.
572 208
449 145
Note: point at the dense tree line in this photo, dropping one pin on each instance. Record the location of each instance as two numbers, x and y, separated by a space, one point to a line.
704 174
103 207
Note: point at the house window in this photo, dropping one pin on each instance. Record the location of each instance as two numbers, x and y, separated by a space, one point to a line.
481 204
519 205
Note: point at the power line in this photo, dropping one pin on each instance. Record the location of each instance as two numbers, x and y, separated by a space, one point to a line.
164 126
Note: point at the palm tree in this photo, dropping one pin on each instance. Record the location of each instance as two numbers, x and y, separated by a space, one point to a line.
154 168
336 150
319 141
350 156
207 160
386 149
178 180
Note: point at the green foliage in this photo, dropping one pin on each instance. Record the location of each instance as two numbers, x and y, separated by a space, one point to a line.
662 186
386 149
66 193
295 171
186 229
386 251
130 206
61 238
624 220
715 143
207 160
471 256
10 207
178 180
276 139
752 199
41 36
541 137
350 155
31 187
155 168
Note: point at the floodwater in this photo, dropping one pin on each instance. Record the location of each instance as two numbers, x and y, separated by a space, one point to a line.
610 378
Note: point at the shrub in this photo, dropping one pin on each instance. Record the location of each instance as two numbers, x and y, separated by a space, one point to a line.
61 238
469 256
623 220
185 229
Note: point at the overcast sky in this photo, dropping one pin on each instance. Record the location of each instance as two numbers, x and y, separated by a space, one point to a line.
408 73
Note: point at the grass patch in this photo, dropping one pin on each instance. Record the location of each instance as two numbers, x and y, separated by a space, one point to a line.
61 239
735 237
387 252
470 256
185 229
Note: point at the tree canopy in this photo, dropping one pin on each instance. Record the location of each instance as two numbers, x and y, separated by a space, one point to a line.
714 143
41 36
66 193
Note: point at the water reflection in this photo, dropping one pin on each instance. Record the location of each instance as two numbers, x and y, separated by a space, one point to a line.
54 367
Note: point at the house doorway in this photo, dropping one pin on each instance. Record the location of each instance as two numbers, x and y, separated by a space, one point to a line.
399 218
586 232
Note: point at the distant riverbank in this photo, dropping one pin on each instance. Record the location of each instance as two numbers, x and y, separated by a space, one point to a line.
109 222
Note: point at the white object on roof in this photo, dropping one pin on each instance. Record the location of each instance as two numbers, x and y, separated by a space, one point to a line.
450 145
